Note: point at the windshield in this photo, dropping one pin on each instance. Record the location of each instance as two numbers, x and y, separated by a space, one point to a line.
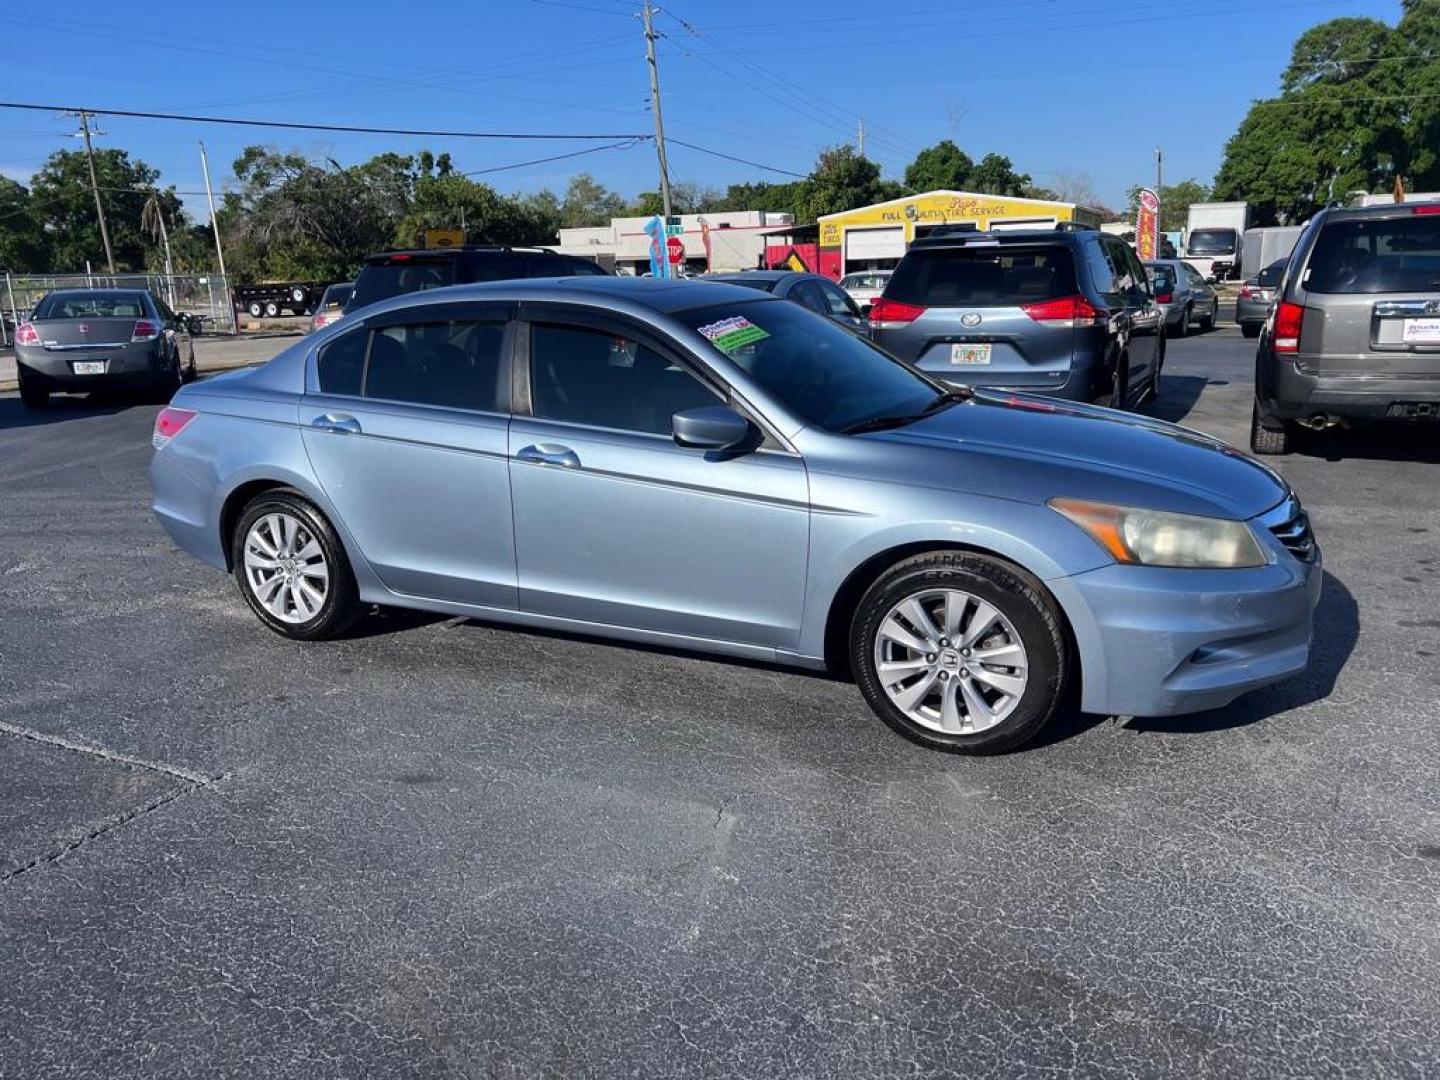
1211 242
1377 255
823 373
380 281
983 275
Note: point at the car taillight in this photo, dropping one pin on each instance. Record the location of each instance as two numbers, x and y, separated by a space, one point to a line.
26 334
887 313
1288 318
145 330
1066 311
1164 297
169 423
1246 293
1427 208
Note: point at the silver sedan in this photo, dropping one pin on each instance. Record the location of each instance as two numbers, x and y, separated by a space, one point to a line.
1184 295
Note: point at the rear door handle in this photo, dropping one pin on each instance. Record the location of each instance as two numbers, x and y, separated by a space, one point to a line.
340 423
549 454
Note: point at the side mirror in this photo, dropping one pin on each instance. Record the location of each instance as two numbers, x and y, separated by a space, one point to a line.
710 427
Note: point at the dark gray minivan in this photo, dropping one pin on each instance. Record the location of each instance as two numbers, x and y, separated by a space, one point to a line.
1067 312
1355 331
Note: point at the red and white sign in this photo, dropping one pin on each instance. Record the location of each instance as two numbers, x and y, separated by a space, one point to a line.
1147 225
675 249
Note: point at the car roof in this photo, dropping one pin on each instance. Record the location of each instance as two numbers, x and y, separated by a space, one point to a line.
464 249
660 295
1385 210
97 292
960 238
758 275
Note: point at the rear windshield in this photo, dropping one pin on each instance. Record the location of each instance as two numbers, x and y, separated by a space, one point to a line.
1211 242
763 284
1271 275
90 306
1162 277
336 295
1377 255
978 277
380 281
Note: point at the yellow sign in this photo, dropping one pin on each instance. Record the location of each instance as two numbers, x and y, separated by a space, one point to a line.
941 208
444 238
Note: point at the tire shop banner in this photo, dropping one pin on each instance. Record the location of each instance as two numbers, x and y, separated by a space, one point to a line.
1147 224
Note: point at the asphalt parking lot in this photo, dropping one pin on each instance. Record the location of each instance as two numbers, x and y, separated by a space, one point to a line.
439 848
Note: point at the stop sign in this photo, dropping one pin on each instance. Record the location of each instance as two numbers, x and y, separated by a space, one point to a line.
675 248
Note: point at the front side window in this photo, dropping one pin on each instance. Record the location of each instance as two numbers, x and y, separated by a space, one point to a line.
584 376
454 363
818 370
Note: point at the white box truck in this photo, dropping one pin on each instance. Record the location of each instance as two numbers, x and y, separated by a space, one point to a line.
1265 246
1213 235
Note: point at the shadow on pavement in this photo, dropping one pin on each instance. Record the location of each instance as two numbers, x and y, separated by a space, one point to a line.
15 415
1178 395
1386 442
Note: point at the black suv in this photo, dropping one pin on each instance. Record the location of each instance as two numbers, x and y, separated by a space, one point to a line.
392 273
1355 331
1060 311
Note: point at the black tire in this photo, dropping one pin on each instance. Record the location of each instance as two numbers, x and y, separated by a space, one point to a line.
1274 438
1152 388
272 309
341 605
1019 597
1184 330
1207 324
193 371
1250 329
256 309
1115 394
32 396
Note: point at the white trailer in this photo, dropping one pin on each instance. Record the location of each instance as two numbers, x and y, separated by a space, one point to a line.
1264 246
1213 235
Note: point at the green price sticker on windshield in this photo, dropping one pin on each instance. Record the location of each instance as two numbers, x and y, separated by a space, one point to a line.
727 335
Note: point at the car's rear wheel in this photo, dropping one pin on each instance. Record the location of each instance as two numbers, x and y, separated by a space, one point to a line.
960 652
32 396
256 309
1113 390
272 309
292 569
1269 435
1184 330
1208 323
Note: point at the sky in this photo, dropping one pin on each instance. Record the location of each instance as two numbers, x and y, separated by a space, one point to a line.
1065 88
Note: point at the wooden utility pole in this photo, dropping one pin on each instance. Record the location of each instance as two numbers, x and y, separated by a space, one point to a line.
95 190
646 13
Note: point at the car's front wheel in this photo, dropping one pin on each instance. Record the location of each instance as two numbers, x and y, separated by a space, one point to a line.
292 569
960 652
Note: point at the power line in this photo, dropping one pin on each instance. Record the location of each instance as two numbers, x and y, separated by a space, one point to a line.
732 157
623 145
298 126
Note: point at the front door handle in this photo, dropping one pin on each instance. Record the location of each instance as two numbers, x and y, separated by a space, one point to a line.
549 454
340 423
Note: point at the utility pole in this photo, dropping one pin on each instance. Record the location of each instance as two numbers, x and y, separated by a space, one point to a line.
1159 170
862 136
646 12
95 190
214 225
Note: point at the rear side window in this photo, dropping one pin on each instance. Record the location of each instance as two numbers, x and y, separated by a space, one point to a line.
1376 255
978 277
341 364
455 364
380 281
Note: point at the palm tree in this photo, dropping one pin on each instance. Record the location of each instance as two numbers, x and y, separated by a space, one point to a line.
152 220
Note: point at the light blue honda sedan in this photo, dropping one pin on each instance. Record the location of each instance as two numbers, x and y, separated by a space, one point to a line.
696 465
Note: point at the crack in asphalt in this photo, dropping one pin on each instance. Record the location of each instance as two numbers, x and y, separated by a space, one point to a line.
193 782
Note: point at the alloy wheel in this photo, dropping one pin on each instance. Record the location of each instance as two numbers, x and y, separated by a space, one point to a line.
950 661
285 568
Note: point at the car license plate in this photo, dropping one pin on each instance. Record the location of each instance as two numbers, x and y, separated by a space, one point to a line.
90 367
970 354
1421 331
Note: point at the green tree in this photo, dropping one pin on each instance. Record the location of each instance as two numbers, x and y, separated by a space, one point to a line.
842 180
64 207
23 245
589 202
995 175
942 167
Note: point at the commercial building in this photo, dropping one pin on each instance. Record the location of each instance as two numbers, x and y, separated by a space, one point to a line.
732 240
875 237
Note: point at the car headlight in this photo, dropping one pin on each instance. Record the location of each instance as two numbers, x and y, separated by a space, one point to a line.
1159 538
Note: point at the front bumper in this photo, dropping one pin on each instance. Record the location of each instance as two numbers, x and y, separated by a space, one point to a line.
1159 642
1294 393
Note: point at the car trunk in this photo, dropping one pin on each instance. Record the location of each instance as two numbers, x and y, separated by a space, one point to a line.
80 334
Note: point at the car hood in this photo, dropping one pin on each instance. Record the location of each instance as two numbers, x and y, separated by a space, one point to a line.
1028 447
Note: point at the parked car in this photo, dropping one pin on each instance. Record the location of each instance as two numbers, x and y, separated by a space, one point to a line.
1052 311
391 273
1354 335
864 286
1257 296
813 291
1184 295
81 340
332 305
698 465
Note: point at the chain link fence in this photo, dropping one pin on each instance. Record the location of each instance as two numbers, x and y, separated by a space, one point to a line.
206 296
